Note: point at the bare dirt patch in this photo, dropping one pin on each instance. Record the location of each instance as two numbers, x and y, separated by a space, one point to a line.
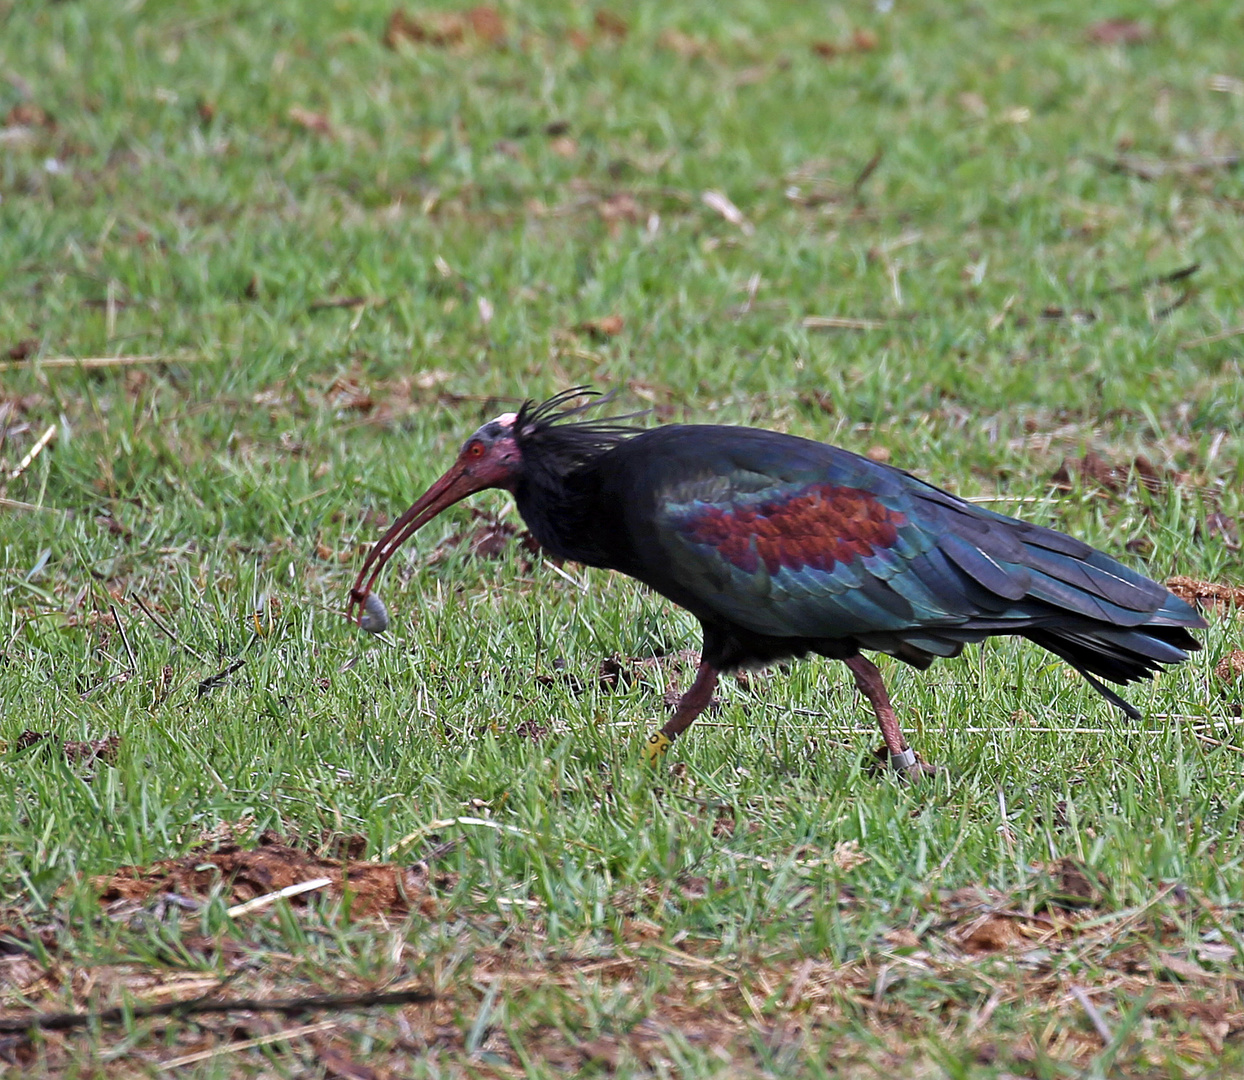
244 874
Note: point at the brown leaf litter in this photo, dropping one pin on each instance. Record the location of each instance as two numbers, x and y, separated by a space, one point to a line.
244 874
860 41
79 753
605 327
1011 948
487 538
1218 526
1211 595
1118 32
1230 667
22 350
29 114
442 29
309 120
1093 469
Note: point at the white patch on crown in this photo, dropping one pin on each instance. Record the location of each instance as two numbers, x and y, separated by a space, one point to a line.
506 418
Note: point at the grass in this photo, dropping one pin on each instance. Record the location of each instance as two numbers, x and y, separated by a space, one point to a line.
194 182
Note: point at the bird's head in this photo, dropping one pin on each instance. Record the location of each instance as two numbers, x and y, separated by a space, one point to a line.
488 459
541 443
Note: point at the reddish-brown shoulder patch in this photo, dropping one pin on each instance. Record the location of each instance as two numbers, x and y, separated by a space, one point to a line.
817 526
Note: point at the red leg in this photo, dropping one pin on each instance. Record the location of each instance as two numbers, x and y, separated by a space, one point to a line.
693 702
872 686
690 705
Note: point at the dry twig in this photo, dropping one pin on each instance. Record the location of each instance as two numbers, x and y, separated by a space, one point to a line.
99 361
70 1021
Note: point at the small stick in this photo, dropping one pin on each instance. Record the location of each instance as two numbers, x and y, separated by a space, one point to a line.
168 633
1212 339
1003 498
1098 1021
834 322
998 318
869 168
346 302
286 1035
68 1021
35 451
125 640
281 894
14 504
99 361
562 573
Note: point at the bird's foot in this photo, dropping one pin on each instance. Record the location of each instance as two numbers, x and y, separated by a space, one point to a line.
907 764
656 746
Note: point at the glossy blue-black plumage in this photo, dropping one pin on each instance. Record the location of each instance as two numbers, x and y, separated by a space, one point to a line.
783 546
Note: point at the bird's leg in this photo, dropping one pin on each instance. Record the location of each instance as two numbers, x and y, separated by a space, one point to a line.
872 686
690 705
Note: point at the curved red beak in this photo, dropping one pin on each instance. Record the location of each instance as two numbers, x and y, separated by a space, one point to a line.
454 486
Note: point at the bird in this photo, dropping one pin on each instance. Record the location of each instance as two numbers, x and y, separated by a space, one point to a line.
783 546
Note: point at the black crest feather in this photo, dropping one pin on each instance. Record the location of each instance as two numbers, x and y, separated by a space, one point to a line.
554 443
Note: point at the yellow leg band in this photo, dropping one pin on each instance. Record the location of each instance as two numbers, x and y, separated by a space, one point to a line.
656 746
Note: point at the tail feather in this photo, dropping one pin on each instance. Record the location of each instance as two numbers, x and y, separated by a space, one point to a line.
1117 655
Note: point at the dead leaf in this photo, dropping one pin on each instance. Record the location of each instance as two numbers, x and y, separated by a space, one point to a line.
532 729
993 933
445 28
686 46
1231 666
861 41
107 521
610 25
1075 884
487 24
1118 32
431 379
720 202
1218 524
28 114
973 103
80 753
310 121
1207 594
345 394
903 938
605 327
613 675
24 349
339 1065
878 453
620 207
1082 316
1094 469
604 1051
847 855
330 302
564 146
488 538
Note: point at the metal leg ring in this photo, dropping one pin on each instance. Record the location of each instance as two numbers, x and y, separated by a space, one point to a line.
904 759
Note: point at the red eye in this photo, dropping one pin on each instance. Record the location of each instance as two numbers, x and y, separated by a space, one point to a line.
476 449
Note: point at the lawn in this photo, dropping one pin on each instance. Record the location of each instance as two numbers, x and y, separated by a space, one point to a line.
263 266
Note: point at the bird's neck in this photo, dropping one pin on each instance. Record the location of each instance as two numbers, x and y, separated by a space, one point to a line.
571 519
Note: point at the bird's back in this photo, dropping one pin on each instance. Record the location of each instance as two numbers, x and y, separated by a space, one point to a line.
788 538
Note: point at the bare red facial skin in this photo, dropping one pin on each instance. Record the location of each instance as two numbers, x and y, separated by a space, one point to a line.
485 462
